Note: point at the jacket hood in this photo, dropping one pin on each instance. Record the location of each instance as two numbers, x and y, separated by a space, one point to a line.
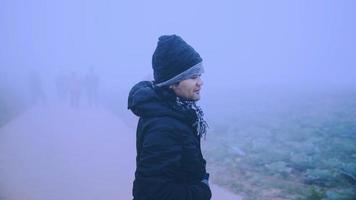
146 100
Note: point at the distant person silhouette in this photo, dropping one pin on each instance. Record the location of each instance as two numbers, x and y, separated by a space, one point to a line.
61 82
91 83
74 86
38 96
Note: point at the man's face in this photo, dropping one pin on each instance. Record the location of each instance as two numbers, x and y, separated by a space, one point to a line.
189 88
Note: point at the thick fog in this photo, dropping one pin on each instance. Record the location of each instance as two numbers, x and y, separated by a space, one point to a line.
261 58
242 43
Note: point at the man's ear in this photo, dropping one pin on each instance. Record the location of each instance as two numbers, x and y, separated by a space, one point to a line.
174 86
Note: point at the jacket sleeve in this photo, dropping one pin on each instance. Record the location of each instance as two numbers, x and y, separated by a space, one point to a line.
160 162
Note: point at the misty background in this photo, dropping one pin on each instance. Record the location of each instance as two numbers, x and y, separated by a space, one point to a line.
256 43
264 60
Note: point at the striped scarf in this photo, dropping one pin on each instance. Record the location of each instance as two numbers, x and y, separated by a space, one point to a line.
200 124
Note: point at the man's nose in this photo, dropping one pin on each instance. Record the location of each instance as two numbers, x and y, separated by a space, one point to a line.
200 82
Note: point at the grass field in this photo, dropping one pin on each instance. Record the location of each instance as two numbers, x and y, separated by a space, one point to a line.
285 147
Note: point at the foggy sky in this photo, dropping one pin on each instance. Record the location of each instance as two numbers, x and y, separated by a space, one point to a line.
280 42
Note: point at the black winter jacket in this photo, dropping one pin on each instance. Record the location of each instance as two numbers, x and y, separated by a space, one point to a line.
169 162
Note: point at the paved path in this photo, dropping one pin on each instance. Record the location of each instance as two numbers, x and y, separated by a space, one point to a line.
57 153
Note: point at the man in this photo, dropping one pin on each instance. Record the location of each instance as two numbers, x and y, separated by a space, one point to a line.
169 162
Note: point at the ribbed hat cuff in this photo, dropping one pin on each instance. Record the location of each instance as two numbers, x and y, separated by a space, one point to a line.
195 70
